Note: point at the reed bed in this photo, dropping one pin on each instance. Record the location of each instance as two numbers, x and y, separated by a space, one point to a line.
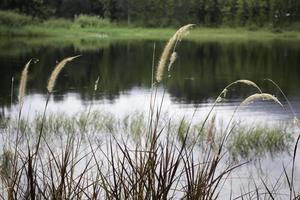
95 156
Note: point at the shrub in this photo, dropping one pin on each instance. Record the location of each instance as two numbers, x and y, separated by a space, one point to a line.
14 19
295 26
253 27
58 23
85 21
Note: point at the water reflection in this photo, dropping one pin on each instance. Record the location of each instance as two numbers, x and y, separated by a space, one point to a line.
200 73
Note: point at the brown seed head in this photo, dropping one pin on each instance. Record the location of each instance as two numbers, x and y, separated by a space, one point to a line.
170 46
56 72
23 83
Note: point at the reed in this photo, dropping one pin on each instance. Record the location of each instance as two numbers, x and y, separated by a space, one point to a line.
96 84
169 48
243 81
262 96
23 83
56 72
172 60
224 93
295 119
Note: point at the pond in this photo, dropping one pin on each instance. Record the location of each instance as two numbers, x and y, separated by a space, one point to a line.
201 71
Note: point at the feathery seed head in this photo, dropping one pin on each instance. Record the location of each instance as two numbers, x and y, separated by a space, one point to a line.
183 31
96 84
296 121
56 72
224 92
170 46
219 99
23 82
172 60
247 82
261 96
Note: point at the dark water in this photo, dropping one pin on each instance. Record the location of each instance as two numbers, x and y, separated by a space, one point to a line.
201 71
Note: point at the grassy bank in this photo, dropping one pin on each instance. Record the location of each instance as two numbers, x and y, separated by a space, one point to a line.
90 33
136 33
94 28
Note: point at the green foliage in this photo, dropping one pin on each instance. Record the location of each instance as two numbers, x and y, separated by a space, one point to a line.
86 21
253 27
137 125
295 26
58 23
155 13
14 19
6 163
3 122
256 141
182 130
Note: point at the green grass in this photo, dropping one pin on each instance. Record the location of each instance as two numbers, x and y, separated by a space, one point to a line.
62 32
95 28
91 32
247 142
15 20
85 39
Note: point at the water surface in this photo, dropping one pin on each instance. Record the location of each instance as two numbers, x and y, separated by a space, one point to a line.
201 71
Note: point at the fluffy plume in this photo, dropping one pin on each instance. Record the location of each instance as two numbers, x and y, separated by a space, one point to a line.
96 84
23 82
296 122
261 96
170 46
56 72
172 60
247 82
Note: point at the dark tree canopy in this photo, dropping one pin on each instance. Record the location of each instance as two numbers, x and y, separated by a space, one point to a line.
168 12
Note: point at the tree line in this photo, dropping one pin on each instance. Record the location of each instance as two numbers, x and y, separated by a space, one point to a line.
167 12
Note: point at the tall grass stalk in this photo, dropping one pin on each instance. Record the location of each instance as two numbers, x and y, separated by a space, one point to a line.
12 91
21 95
152 101
84 129
224 93
14 172
50 87
23 83
170 46
248 100
167 57
262 96
296 121
292 187
56 72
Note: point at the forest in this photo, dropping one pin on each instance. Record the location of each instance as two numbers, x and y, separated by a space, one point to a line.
167 13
